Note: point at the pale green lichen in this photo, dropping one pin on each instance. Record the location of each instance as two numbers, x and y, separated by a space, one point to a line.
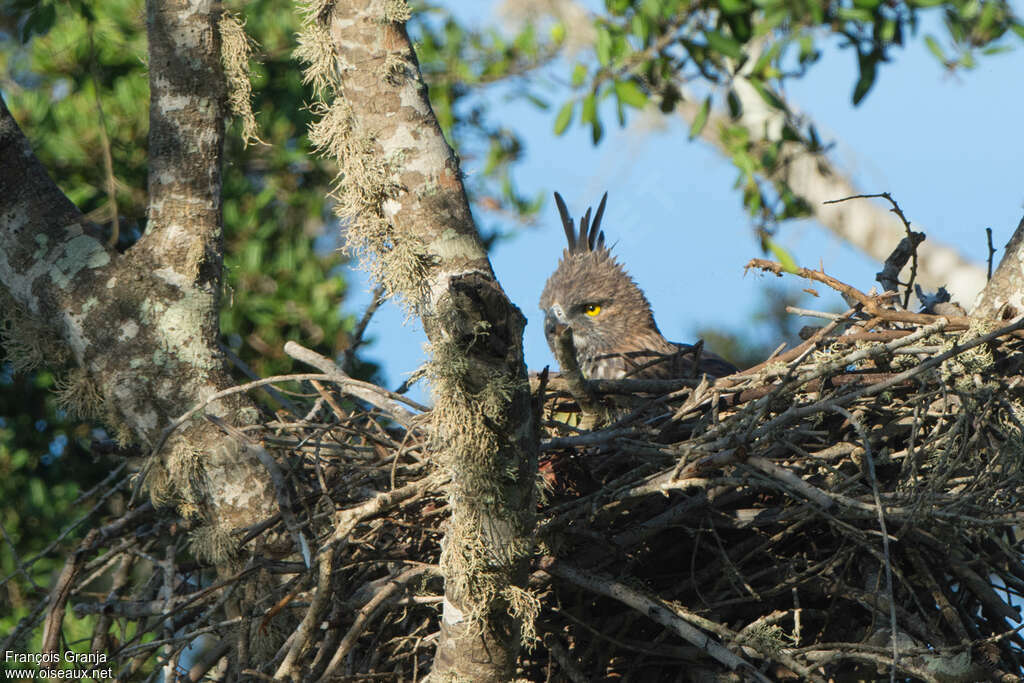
79 395
452 245
317 51
80 252
365 182
179 328
90 303
214 543
951 667
367 179
236 50
184 463
478 560
397 11
44 246
768 638
524 605
27 343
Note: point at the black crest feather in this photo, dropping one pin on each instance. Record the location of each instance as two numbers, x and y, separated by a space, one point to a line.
590 236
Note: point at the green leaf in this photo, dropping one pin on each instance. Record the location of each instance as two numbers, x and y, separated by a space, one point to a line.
620 48
734 104
538 102
617 7
866 80
589 113
630 93
641 27
763 67
652 8
785 258
817 12
604 45
723 44
38 22
888 31
564 116
579 75
558 32
596 131
701 119
767 94
732 6
740 26
935 48
773 18
858 15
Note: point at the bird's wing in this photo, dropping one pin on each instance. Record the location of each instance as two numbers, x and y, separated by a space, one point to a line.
711 364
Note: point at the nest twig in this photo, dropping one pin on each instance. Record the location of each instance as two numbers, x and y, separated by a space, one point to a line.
844 509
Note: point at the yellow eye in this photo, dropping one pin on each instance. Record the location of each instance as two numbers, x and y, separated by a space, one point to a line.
592 310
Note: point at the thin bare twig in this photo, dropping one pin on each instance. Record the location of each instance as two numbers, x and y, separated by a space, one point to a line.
906 248
377 298
991 253
387 401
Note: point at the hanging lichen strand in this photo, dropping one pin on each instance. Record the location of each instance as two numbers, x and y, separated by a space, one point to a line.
406 217
236 51
366 178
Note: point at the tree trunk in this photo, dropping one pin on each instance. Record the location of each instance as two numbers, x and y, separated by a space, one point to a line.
142 326
1003 297
406 212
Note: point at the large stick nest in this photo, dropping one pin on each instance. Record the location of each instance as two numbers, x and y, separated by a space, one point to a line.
842 511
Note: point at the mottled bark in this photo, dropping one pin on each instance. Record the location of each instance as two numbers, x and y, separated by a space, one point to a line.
1003 297
464 313
143 325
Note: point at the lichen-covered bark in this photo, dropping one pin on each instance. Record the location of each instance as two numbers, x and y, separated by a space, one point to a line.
143 325
1003 296
429 253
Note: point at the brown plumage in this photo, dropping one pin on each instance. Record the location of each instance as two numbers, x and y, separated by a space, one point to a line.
613 327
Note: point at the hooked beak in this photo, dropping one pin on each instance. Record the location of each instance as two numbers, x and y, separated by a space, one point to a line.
555 321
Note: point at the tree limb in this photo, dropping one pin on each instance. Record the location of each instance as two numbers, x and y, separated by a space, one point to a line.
407 215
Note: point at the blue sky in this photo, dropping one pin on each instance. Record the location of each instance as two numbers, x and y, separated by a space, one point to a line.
950 148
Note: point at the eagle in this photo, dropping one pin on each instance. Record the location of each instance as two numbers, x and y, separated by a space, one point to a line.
612 324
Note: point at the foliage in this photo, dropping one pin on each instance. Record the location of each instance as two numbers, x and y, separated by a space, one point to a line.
661 52
43 467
